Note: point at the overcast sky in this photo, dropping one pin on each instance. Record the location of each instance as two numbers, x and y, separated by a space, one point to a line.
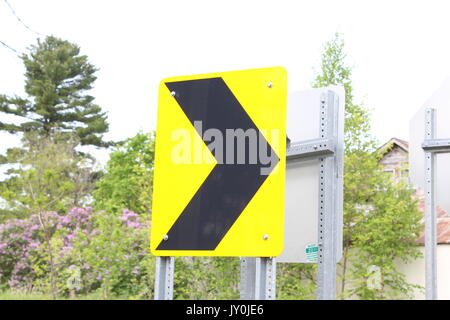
400 50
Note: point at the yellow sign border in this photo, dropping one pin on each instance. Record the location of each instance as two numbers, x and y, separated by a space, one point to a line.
259 230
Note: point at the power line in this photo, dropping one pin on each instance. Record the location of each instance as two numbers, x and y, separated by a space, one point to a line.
19 54
20 20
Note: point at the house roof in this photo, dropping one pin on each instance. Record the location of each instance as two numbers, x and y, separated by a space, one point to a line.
398 142
443 225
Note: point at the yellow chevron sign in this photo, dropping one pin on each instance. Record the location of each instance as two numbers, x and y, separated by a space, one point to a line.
220 164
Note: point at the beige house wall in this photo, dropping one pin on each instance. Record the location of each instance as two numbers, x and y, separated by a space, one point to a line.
415 272
395 162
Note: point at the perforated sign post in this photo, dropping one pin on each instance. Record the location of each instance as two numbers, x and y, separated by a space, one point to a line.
314 183
219 168
431 147
429 173
313 194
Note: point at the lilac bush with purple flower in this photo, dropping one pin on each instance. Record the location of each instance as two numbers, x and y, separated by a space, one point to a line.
19 240
118 254
109 250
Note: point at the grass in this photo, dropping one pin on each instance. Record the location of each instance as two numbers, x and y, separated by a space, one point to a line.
20 295
13 295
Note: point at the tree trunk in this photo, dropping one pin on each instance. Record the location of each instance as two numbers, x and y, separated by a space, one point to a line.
344 269
50 254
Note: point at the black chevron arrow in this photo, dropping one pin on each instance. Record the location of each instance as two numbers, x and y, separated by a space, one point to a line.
229 187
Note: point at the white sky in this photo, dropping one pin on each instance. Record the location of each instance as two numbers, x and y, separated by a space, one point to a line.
400 50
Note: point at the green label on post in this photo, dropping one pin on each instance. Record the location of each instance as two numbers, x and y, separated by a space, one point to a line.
312 251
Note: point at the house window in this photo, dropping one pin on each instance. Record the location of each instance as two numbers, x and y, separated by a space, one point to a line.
404 175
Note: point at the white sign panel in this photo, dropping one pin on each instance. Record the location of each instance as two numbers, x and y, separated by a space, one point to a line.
302 178
440 101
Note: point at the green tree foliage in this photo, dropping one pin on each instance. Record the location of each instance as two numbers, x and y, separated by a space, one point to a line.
385 234
116 259
381 218
207 278
128 180
335 71
57 77
296 281
49 175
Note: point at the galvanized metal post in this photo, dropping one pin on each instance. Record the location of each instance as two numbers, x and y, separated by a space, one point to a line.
327 235
258 278
256 273
164 278
430 211
247 281
268 278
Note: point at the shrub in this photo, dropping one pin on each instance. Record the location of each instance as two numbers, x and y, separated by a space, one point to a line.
80 252
116 259
19 241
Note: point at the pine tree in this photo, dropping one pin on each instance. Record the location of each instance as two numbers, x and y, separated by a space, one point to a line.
57 78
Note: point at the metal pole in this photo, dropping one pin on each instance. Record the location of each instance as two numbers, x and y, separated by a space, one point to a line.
430 211
248 278
326 277
164 278
268 278
258 278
